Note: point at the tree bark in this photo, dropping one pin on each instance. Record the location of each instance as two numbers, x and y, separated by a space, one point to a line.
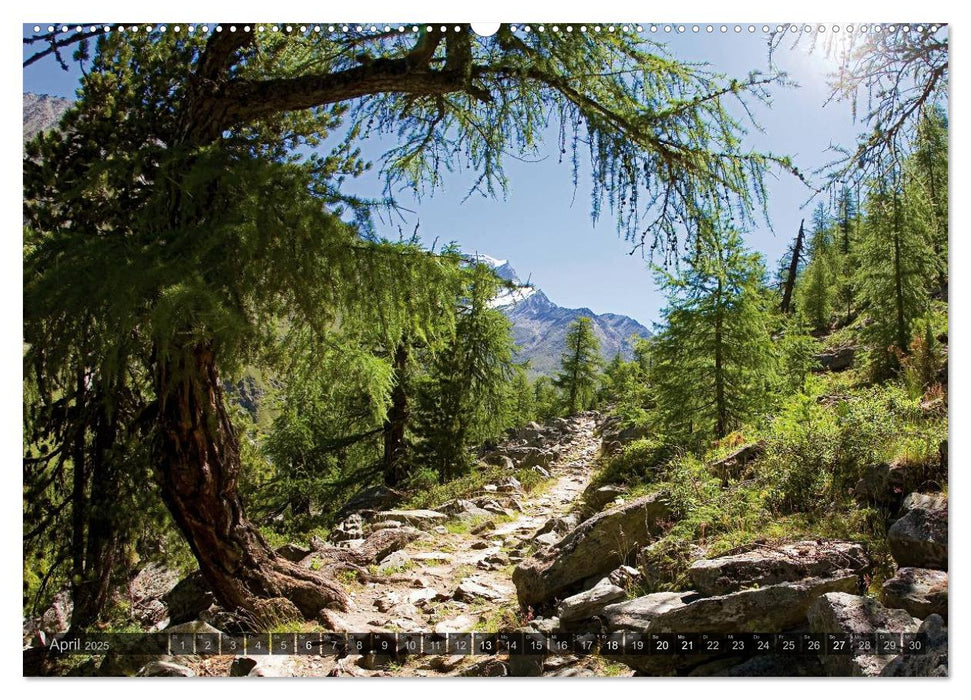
721 421
898 278
397 420
103 547
198 470
793 270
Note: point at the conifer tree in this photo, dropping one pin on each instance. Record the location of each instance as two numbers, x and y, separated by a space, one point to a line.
713 363
522 399
464 399
579 367
819 277
930 169
897 265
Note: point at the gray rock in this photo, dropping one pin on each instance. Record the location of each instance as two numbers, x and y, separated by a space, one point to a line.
775 608
165 668
589 603
470 590
241 666
446 664
193 627
836 360
417 518
351 528
886 483
854 614
764 566
921 592
293 552
596 498
488 524
382 543
931 663
596 546
53 621
733 466
919 538
636 615
486 668
188 598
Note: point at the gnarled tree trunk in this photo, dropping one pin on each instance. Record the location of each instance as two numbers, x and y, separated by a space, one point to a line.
198 467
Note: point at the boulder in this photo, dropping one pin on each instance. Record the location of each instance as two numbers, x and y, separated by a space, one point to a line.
373 498
624 576
855 614
596 546
165 668
147 588
932 663
764 565
463 510
486 668
53 621
919 538
733 466
383 543
194 627
543 474
887 483
589 603
241 666
775 608
417 518
636 615
470 590
188 598
836 360
596 498
921 592
293 552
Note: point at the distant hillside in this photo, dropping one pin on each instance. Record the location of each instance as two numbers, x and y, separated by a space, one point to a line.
42 112
540 326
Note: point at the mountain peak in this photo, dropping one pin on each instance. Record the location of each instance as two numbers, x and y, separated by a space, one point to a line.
539 326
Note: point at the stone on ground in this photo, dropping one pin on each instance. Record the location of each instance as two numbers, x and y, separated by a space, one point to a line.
855 614
921 592
919 538
596 546
589 603
764 565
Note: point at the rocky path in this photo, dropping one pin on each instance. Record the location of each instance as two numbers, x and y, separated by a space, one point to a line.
455 577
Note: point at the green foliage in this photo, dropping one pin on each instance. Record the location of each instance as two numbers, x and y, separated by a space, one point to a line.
464 398
641 461
713 361
923 362
625 385
521 399
579 367
797 351
897 265
547 398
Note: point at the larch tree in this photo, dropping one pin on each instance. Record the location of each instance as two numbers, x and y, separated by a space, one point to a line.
897 265
464 398
185 217
580 366
713 364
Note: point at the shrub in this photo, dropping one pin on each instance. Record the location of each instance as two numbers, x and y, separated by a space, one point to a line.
640 461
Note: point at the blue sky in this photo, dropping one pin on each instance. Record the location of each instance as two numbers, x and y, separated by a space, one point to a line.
543 225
